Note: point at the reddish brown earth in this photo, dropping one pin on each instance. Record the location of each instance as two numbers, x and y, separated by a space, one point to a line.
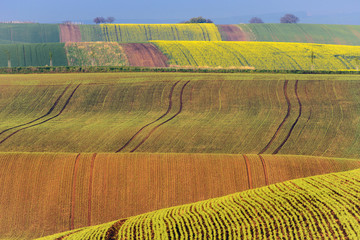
144 55
69 33
63 191
233 33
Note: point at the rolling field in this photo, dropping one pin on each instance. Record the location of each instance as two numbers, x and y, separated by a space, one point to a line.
148 32
152 155
181 113
29 33
261 55
79 190
319 207
37 54
241 55
305 33
95 54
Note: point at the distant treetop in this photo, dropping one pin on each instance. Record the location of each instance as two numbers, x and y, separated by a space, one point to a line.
256 20
98 20
199 20
289 18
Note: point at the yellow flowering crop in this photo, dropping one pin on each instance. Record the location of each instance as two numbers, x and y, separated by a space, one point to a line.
261 55
146 32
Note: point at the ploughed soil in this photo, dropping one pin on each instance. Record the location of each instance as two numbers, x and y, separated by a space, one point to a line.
69 33
232 33
144 55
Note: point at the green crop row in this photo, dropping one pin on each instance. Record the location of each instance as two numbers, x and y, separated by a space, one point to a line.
308 33
28 33
39 54
309 208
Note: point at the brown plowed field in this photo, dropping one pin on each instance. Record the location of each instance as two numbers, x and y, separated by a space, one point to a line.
144 55
69 33
232 33
45 193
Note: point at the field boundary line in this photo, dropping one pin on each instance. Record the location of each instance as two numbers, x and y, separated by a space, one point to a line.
283 121
296 121
73 192
50 110
168 110
90 187
63 108
248 170
265 169
156 127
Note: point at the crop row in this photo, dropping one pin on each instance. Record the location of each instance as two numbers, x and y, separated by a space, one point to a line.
218 116
146 32
306 33
29 33
261 55
39 54
319 207
80 186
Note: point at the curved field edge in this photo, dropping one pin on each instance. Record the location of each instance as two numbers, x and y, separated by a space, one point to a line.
261 55
69 190
324 206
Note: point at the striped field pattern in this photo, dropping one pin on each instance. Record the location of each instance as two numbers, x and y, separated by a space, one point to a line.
319 207
147 32
261 55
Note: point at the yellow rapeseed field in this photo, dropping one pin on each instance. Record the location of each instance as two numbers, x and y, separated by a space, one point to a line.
261 55
146 32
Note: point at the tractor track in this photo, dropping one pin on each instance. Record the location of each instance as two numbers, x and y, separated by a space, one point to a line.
63 108
46 114
73 193
162 116
283 121
296 121
90 187
265 169
156 127
248 170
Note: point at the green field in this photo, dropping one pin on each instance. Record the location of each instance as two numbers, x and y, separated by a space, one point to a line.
261 55
306 33
37 54
28 33
91 33
315 208
193 113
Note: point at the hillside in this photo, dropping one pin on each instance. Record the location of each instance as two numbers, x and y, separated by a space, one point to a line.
68 191
38 54
270 32
261 55
253 55
305 33
181 113
29 33
324 206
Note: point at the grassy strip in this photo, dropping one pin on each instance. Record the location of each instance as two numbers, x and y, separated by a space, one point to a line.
100 69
